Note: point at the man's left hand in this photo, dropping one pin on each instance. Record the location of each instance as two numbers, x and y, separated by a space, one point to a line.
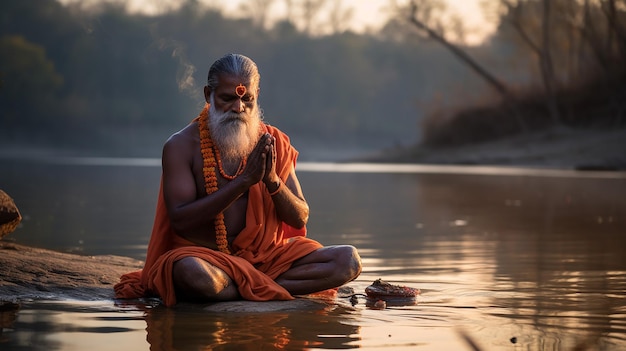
270 178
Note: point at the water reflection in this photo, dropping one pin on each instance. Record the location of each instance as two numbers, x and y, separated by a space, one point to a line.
191 328
545 257
539 259
8 315
65 325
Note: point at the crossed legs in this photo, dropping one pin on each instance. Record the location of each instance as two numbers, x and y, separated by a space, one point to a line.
196 280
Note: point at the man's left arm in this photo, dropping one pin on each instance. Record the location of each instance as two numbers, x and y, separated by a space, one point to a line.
289 201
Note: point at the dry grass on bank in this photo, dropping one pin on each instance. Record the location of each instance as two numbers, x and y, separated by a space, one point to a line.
594 104
590 132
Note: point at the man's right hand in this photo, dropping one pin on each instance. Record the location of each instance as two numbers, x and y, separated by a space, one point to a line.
256 164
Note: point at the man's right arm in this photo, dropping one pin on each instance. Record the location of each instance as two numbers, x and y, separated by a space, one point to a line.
192 216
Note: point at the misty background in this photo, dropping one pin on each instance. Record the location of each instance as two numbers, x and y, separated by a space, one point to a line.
101 80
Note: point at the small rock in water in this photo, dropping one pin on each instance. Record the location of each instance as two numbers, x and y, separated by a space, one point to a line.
380 305
344 291
9 214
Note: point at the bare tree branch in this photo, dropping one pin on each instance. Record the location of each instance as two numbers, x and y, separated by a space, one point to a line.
516 24
259 10
547 68
310 9
463 56
542 52
339 17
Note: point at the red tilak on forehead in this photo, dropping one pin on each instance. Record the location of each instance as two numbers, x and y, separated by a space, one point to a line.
240 90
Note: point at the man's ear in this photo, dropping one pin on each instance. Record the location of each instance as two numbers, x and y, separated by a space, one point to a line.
207 93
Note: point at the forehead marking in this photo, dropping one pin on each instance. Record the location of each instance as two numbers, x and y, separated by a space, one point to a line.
240 90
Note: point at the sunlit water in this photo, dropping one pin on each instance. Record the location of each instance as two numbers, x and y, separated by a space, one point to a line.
507 259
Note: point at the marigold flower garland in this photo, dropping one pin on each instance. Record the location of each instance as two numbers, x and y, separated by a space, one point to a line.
210 177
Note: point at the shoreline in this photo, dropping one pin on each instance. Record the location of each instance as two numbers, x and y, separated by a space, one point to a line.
30 273
599 149
563 148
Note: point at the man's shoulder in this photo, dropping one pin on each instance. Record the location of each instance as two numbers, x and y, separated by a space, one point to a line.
185 137
190 131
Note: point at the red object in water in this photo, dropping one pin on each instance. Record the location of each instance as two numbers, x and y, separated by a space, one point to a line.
392 295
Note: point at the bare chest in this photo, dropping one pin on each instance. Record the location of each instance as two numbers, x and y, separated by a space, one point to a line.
234 212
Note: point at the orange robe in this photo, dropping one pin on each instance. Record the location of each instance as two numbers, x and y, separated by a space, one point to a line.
265 248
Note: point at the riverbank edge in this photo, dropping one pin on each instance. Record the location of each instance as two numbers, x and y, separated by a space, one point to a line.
559 148
30 273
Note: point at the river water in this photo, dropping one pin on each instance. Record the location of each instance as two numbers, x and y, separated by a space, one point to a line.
506 259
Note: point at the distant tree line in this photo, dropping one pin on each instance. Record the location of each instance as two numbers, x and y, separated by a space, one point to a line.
65 70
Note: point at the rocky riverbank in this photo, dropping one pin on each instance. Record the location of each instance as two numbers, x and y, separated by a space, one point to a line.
33 273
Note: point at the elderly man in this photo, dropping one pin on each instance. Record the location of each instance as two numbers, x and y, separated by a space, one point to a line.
231 216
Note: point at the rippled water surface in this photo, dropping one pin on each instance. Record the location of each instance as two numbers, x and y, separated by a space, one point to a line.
505 259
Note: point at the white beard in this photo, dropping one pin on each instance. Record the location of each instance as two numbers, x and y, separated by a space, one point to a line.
234 134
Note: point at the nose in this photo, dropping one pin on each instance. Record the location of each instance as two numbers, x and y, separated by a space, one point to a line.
238 106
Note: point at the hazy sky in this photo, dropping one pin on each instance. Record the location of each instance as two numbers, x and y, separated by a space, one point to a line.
366 13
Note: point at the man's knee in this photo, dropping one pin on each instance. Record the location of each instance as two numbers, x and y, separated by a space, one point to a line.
350 262
196 279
